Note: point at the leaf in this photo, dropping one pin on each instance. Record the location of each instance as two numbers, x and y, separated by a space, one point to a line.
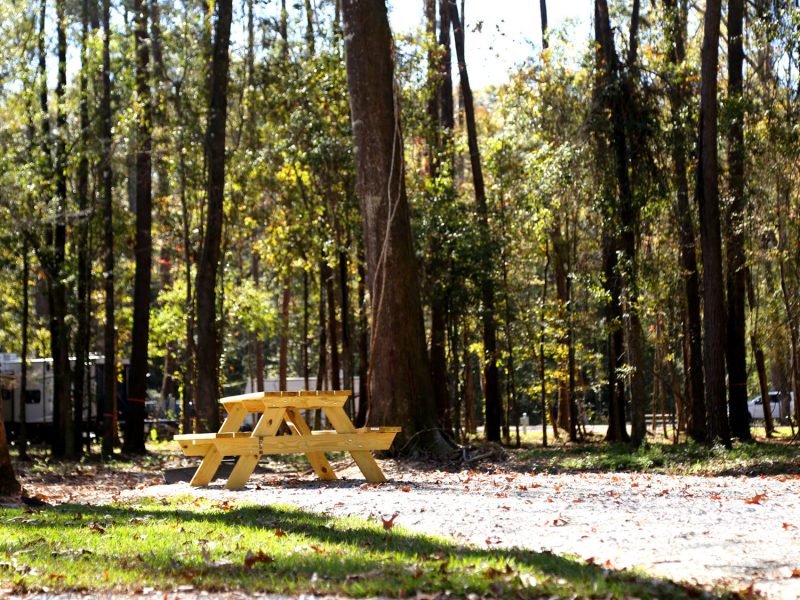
405 489
789 526
757 499
389 523
280 533
251 559
95 526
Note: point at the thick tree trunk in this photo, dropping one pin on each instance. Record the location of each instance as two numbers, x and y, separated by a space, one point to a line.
399 374
208 265
710 235
143 246
617 431
693 355
109 334
735 277
494 408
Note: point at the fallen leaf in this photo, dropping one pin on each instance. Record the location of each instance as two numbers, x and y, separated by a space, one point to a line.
405 489
757 499
252 559
95 526
280 533
789 526
389 523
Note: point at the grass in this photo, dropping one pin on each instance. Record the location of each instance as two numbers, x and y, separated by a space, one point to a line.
774 457
219 546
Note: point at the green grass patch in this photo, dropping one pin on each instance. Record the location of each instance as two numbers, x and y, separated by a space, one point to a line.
756 458
219 546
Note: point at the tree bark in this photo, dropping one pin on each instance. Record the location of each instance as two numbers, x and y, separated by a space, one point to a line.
63 438
735 279
208 265
693 354
9 486
143 246
82 241
399 375
710 234
758 353
109 334
494 408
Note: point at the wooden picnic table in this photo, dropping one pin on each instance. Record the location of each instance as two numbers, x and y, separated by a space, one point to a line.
274 409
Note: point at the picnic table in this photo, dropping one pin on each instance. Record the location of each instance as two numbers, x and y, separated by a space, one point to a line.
276 408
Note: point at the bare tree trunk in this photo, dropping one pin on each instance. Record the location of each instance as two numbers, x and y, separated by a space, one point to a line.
710 235
82 242
143 247
333 338
542 373
283 350
109 335
208 265
758 354
23 383
363 344
735 343
399 375
494 408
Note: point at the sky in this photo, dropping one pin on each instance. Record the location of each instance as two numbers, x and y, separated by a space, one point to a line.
499 33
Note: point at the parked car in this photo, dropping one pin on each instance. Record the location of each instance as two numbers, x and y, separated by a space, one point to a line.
780 409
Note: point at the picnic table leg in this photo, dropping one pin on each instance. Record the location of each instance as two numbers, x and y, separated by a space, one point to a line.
318 460
208 467
267 426
364 459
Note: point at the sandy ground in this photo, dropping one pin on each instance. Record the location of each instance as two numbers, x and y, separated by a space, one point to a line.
739 532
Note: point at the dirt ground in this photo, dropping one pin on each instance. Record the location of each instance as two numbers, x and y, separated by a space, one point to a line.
740 533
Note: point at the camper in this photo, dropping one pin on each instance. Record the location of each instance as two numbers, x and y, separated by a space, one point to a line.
38 398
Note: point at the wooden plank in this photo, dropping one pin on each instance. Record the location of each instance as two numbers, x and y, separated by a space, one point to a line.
267 426
234 420
323 441
205 472
318 460
259 403
365 461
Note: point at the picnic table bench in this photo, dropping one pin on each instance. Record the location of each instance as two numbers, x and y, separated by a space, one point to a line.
276 408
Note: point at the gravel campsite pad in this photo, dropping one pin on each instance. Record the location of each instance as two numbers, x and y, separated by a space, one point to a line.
740 533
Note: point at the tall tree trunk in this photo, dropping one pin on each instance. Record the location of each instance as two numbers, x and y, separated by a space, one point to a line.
344 304
399 375
710 235
334 378
109 334
257 341
494 408
758 353
309 27
63 440
617 431
678 95
735 280
283 350
208 265
618 99
23 380
306 373
82 242
542 372
143 246
363 343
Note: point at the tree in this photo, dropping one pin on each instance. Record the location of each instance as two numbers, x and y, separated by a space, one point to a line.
678 96
736 344
106 176
710 232
143 246
8 482
399 377
494 407
208 342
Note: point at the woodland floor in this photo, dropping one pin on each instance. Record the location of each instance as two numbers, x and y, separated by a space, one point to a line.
730 523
